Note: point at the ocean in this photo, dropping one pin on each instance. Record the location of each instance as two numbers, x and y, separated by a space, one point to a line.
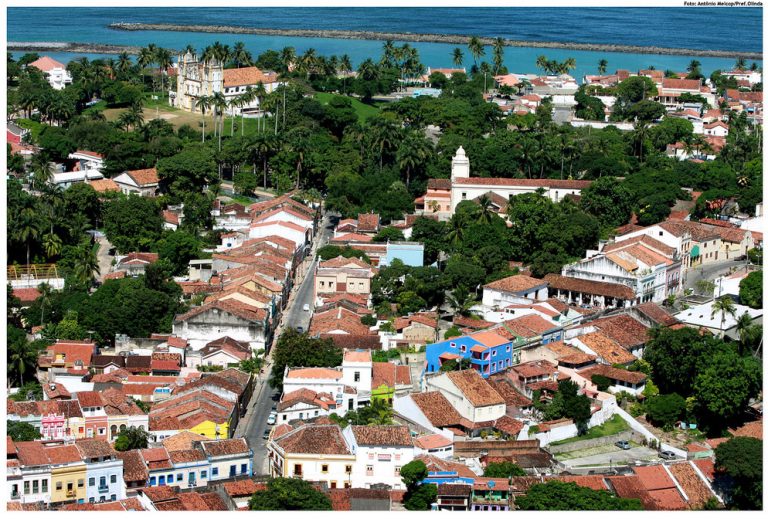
737 29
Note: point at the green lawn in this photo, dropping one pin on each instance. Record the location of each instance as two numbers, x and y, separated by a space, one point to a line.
363 110
34 127
613 426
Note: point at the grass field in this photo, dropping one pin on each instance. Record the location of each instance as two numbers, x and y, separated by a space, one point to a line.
363 110
613 426
34 127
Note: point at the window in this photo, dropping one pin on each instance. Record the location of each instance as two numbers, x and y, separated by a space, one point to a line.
494 353
215 471
58 485
370 455
369 470
102 431
333 484
26 487
113 497
317 412
397 471
113 478
357 376
80 483
91 500
203 474
243 468
297 470
45 486
152 481
91 482
35 488
170 478
507 349
232 470
324 469
464 196
102 481
348 469
285 417
180 477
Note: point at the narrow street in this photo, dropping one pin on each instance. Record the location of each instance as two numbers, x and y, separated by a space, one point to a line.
105 260
711 271
254 424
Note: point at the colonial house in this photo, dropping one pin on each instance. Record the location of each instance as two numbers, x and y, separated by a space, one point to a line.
304 404
313 453
225 351
697 244
340 274
328 381
632 382
381 451
389 380
463 187
57 74
205 323
103 471
142 182
716 129
586 292
649 267
513 290
136 263
487 352
470 394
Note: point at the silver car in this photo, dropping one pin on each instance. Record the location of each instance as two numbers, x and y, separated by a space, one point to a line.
667 455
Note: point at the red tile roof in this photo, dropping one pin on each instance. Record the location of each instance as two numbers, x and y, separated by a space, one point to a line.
367 222
475 388
432 441
526 182
230 306
605 348
46 64
248 76
631 377
517 283
103 185
314 439
243 488
600 288
695 489
382 435
436 408
144 177
26 295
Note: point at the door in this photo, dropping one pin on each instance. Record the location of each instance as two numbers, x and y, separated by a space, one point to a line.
191 479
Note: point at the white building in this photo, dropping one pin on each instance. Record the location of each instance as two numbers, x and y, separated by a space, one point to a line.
512 290
69 178
103 471
702 316
380 451
228 458
203 324
304 404
142 182
322 380
294 232
56 72
471 395
88 160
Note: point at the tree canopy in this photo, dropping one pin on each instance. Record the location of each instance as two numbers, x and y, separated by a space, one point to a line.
740 461
294 349
557 495
289 494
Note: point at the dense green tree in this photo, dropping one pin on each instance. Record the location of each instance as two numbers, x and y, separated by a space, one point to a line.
328 252
389 234
504 469
739 464
132 438
665 410
602 382
178 247
132 223
608 200
557 495
724 388
289 494
188 171
298 349
22 431
751 290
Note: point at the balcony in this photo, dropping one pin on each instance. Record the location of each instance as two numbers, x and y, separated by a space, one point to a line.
103 489
71 493
15 495
478 360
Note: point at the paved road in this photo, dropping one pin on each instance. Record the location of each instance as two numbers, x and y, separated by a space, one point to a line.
105 260
710 272
255 422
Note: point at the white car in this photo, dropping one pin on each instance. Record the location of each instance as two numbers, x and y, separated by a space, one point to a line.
272 419
306 308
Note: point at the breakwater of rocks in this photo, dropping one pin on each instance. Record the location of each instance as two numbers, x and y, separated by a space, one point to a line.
455 39
61 46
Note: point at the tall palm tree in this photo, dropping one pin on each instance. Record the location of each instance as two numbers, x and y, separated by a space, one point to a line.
412 152
543 63
485 215
385 135
724 306
298 140
457 56
601 66
345 63
52 245
86 264
461 301
219 103
124 63
388 54
28 227
164 61
146 58
287 59
42 170
456 227
21 359
45 295
240 55
476 48
746 330
204 103
498 54
566 66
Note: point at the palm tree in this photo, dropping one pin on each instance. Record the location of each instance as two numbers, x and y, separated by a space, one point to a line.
456 225
566 66
413 151
741 64
746 330
132 118
385 135
164 61
124 63
345 63
28 227
219 103
724 306
287 59
457 56
204 103
299 143
601 66
45 294
87 264
21 358
52 245
42 170
498 54
476 48
146 58
543 63
388 54
485 215
461 301
241 55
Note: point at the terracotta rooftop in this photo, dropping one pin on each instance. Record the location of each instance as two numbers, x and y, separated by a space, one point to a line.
525 182
94 448
512 397
103 185
144 177
432 441
243 488
357 356
695 489
382 435
624 329
656 314
453 489
46 64
328 373
568 354
593 482
182 441
314 439
631 377
517 283
229 306
589 287
750 429
475 388
248 76
367 222
63 454
436 408
535 368
605 348
134 468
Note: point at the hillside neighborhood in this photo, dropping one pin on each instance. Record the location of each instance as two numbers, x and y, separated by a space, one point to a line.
481 291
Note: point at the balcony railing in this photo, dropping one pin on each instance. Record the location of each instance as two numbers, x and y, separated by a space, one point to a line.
461 502
103 489
15 495
71 493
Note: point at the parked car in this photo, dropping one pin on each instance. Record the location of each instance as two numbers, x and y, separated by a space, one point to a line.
300 329
623 445
306 308
667 455
266 434
272 420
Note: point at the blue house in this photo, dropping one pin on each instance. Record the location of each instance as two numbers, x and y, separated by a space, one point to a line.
487 352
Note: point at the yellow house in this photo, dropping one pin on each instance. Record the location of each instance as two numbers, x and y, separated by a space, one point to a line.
67 474
211 429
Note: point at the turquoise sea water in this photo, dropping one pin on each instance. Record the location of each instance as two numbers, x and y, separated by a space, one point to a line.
719 29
